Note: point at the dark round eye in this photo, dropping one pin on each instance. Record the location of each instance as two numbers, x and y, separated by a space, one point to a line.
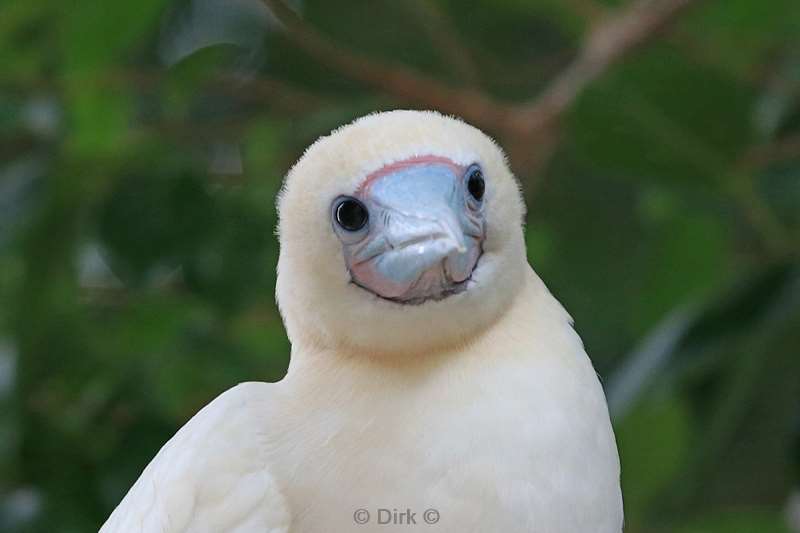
351 214
476 184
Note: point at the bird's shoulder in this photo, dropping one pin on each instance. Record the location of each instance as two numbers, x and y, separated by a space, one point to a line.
213 475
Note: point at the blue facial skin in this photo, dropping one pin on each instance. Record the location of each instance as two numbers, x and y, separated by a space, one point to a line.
424 233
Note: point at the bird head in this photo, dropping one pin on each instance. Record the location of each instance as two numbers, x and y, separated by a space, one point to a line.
400 232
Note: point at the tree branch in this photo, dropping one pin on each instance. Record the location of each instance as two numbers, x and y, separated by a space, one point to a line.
607 43
396 80
774 152
529 127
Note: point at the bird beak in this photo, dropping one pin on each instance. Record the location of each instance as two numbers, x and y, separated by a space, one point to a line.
423 241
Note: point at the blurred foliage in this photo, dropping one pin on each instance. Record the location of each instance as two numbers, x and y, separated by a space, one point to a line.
142 145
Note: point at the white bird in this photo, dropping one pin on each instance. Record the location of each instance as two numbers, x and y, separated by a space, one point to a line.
433 376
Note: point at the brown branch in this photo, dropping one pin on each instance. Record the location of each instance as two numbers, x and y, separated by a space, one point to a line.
535 124
530 127
393 79
606 44
774 152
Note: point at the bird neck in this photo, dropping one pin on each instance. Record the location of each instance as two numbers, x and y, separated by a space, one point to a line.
314 356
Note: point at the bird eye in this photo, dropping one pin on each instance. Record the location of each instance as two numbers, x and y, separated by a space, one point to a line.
351 214
476 185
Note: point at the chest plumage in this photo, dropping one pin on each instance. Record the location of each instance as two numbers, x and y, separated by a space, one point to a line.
509 433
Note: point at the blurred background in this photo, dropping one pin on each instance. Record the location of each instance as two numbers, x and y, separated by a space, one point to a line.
142 145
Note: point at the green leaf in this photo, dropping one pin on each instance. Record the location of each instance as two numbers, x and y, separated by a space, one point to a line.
654 443
97 33
738 521
739 33
99 119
